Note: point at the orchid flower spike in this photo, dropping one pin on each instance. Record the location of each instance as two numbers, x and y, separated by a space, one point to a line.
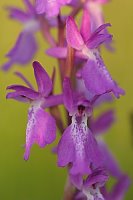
41 126
93 183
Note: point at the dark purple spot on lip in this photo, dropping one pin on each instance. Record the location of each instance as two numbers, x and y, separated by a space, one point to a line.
81 109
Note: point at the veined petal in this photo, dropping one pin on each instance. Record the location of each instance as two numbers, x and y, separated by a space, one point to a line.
85 29
68 95
41 129
99 29
22 91
43 80
73 35
98 38
98 80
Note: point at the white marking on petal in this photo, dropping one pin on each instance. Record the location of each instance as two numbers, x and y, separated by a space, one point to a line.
31 119
89 53
31 25
79 133
93 194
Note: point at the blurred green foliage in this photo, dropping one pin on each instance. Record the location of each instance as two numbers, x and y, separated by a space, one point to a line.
39 178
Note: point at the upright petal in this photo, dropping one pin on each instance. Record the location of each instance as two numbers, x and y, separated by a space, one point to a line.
73 35
68 95
52 8
41 129
43 80
98 38
85 29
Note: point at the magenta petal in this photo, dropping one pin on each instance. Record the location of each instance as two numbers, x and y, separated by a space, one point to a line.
57 52
29 6
40 6
65 149
22 91
120 188
73 35
85 29
26 46
98 80
63 2
102 1
68 95
52 8
76 180
43 80
112 165
98 38
93 151
22 77
17 14
41 129
103 122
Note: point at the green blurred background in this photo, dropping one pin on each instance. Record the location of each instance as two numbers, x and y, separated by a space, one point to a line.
39 178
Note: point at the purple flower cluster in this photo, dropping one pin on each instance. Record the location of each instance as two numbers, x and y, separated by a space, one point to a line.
86 85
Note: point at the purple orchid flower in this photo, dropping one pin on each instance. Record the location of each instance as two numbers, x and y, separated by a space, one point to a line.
78 145
41 127
91 186
100 81
95 75
51 8
26 45
84 41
